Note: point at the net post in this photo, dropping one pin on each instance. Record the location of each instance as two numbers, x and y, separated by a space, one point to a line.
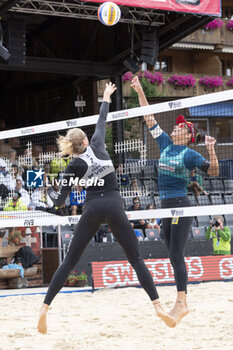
59 244
41 238
92 279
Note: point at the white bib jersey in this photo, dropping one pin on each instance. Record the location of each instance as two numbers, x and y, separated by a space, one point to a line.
93 169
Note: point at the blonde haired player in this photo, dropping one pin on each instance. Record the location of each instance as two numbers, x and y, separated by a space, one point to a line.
102 204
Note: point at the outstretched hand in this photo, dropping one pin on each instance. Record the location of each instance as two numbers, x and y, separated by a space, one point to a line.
110 88
209 142
136 85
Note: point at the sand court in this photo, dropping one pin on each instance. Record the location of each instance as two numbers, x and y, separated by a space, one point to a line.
118 319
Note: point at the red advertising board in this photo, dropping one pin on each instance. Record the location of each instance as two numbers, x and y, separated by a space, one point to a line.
211 7
200 268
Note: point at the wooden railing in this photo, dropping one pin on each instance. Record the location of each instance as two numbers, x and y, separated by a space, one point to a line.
218 36
168 90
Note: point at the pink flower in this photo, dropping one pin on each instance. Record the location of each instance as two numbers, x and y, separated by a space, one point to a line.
216 23
229 25
153 78
211 82
127 76
230 83
182 80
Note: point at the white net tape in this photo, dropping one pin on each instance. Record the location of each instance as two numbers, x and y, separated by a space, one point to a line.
119 115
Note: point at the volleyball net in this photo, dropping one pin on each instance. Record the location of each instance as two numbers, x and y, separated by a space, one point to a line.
30 164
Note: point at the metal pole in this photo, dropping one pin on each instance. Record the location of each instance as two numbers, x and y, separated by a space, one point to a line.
59 243
41 238
119 126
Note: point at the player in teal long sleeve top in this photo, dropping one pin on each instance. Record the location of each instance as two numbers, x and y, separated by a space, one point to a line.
176 162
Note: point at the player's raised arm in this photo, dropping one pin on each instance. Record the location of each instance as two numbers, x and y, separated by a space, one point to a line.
98 137
136 85
214 165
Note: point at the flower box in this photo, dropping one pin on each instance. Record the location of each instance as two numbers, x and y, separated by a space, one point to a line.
75 280
229 25
171 91
216 23
182 81
229 83
211 82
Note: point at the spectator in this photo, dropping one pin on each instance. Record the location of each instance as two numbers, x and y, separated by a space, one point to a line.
58 166
24 193
15 203
221 236
119 169
6 181
153 223
135 188
136 206
62 210
124 178
102 233
41 201
77 200
17 173
12 157
47 173
28 162
138 234
195 184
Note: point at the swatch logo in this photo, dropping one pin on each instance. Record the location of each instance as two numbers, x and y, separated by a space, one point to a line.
71 123
177 212
175 104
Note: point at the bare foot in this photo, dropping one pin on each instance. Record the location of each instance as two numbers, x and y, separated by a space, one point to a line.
42 322
179 310
165 317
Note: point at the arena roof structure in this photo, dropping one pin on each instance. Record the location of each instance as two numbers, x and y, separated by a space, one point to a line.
58 43
39 16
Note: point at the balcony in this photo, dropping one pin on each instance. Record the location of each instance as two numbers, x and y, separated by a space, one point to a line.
167 90
208 38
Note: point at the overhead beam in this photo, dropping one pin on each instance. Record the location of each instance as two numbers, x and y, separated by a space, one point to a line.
187 28
85 11
76 68
7 6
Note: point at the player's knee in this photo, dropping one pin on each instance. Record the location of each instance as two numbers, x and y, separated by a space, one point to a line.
176 258
134 258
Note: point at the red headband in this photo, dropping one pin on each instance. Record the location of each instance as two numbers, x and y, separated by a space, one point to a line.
181 119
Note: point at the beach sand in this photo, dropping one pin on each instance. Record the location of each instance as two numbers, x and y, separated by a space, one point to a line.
119 319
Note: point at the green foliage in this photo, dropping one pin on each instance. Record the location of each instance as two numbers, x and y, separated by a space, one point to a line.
74 277
150 90
109 141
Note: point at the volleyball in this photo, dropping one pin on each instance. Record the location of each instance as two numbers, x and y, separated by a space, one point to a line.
109 13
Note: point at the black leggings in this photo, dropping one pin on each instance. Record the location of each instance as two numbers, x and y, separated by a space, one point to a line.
176 236
108 207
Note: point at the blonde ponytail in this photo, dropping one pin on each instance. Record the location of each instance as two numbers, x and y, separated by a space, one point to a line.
72 143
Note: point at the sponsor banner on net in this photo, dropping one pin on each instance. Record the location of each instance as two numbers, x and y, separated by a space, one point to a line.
120 115
199 268
73 219
71 123
27 131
